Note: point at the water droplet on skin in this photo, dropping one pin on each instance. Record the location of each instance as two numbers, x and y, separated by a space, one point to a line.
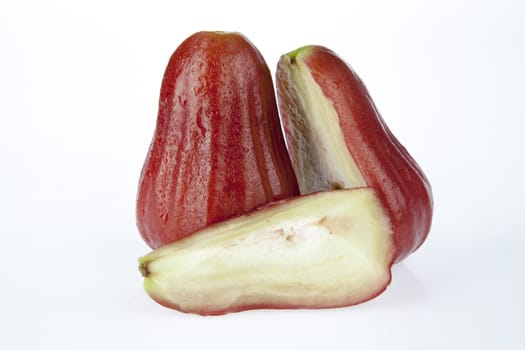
201 126
164 217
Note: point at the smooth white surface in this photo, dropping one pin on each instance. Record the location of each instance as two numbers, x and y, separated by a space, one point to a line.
79 85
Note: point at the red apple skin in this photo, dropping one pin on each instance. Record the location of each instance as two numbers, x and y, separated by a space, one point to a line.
218 149
384 163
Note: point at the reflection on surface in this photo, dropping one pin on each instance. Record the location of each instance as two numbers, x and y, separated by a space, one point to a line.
406 287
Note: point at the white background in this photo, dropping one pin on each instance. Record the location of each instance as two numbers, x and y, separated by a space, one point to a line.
79 84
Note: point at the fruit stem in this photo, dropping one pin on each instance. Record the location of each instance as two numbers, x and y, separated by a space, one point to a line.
292 55
143 268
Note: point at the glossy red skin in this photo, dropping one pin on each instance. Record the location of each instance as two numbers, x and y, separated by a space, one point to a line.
384 163
218 150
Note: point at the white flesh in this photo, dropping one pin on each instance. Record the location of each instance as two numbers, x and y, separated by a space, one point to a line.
319 153
322 250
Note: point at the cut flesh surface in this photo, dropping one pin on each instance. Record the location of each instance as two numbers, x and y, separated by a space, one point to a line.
320 250
319 152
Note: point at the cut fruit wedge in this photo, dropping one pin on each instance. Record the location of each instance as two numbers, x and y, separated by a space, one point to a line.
321 250
337 139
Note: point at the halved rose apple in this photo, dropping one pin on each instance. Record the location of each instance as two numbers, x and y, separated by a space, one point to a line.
320 250
337 139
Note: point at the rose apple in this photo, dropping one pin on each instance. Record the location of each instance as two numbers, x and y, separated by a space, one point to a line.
337 139
218 149
320 250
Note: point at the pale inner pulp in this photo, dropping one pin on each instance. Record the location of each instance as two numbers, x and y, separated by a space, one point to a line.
327 249
315 126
